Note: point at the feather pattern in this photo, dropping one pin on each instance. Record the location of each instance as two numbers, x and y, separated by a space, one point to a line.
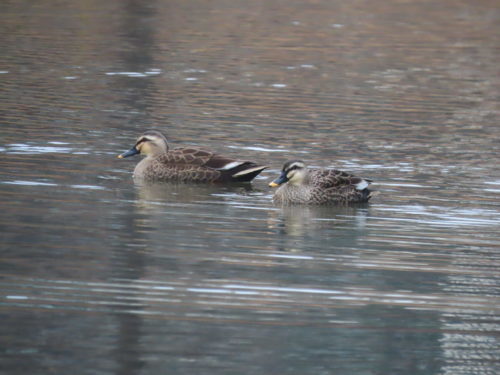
187 164
300 185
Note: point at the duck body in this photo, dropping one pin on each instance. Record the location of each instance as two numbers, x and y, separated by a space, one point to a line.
300 185
187 164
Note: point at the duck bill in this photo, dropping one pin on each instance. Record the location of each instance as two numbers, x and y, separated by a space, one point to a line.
280 180
131 152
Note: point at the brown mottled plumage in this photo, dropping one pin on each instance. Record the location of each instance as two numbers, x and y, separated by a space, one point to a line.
300 185
187 164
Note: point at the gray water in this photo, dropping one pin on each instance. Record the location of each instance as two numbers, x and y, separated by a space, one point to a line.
101 275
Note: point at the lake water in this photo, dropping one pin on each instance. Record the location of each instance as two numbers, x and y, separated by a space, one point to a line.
101 275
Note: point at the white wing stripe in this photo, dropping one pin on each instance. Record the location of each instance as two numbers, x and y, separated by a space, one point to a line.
247 171
231 165
362 185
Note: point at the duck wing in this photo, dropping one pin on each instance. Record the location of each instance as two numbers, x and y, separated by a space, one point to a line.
186 156
333 178
212 165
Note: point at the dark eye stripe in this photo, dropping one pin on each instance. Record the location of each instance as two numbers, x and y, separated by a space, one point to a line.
142 140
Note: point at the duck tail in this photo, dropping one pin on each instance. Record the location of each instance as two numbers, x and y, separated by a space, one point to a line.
246 172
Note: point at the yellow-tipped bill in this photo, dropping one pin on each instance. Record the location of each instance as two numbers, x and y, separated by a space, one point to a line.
132 151
280 180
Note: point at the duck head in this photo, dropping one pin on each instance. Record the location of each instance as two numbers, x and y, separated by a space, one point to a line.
150 143
293 171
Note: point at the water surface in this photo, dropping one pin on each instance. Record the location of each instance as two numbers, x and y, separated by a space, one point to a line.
104 275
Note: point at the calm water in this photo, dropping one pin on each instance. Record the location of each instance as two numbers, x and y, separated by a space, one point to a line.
100 275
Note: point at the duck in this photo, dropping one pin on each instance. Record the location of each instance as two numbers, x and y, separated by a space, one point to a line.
298 184
186 164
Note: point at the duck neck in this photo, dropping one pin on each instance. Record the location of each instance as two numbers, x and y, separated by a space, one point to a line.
300 178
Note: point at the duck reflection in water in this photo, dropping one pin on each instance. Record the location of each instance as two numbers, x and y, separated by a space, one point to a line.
152 193
300 228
